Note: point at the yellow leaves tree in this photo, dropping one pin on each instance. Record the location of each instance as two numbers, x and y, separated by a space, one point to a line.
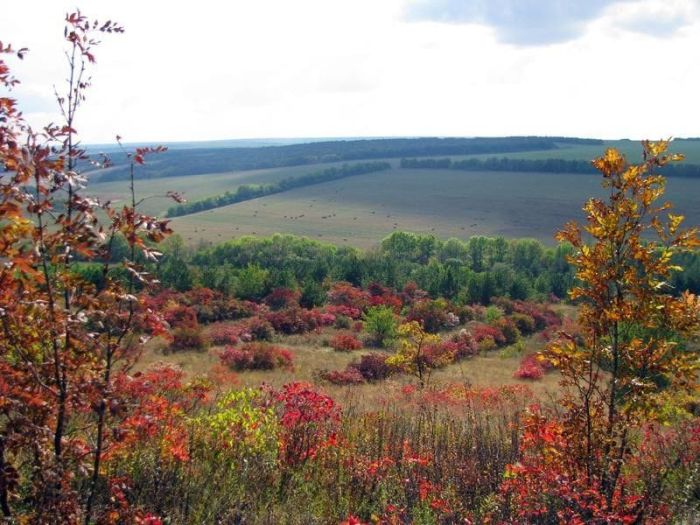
631 361
417 352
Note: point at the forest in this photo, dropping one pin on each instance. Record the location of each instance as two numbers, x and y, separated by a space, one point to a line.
195 161
283 380
553 165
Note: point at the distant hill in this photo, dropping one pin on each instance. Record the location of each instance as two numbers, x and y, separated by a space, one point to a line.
191 160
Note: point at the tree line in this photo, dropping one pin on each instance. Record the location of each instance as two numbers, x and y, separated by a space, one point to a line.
532 165
176 163
253 191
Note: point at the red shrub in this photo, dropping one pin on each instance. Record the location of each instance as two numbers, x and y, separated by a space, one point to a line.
373 367
282 298
481 331
309 420
432 315
509 330
349 376
411 293
441 354
201 296
530 368
189 338
224 334
345 342
294 320
257 356
344 311
345 294
466 345
181 316
542 315
257 329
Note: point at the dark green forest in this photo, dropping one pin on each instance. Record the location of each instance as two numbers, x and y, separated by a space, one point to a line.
174 163
532 165
471 271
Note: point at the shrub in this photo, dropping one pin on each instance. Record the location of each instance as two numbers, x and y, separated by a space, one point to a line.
257 356
373 367
432 315
487 344
441 354
380 323
524 322
179 316
342 321
493 313
345 342
530 368
349 376
510 332
224 334
466 345
294 320
189 338
481 331
282 298
345 294
258 329
345 311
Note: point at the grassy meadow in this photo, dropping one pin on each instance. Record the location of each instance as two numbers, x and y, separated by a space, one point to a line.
312 354
361 210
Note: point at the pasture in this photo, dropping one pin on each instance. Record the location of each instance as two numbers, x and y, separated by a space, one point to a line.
361 210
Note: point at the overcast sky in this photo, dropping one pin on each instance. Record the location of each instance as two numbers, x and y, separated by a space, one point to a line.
215 69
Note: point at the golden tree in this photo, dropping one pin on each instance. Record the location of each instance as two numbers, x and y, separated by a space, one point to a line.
416 354
631 363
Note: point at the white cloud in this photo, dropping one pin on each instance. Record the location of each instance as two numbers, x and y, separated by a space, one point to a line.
273 68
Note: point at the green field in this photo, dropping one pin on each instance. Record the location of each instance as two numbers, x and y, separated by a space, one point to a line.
631 148
196 187
361 210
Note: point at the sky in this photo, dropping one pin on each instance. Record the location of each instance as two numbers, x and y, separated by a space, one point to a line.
212 69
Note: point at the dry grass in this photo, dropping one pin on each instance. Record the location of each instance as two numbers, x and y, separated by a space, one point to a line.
310 356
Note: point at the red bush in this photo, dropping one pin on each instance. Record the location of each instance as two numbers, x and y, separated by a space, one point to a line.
345 342
509 330
349 376
224 334
466 345
294 320
257 356
189 338
282 298
432 315
257 329
344 311
481 331
530 368
373 367
441 354
179 316
309 422
345 294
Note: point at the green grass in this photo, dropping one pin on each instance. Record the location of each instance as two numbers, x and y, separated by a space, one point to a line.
362 210
631 148
195 187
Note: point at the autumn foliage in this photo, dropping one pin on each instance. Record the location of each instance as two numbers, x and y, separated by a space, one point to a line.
89 436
